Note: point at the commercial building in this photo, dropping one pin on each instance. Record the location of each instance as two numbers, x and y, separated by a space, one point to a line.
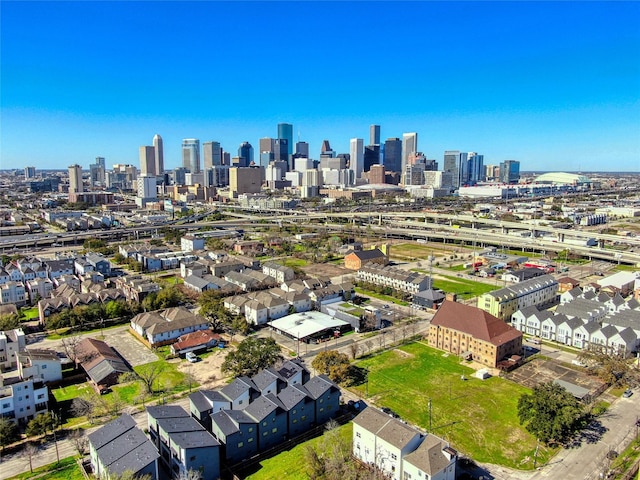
393 155
191 155
245 180
356 154
158 150
409 148
75 179
510 171
148 161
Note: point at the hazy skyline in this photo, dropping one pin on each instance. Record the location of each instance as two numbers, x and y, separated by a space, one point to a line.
555 86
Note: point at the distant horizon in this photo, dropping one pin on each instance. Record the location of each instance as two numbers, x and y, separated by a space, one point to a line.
544 83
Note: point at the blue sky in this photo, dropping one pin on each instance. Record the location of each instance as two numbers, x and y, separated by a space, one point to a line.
554 85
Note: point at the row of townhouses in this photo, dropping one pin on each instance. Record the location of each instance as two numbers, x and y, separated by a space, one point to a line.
586 318
226 426
395 278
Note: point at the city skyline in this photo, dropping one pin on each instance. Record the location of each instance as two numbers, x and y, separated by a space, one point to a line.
555 86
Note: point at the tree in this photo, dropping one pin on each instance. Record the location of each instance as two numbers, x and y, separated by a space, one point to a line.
613 369
30 450
79 440
8 432
9 322
149 373
336 365
354 348
252 355
41 424
550 413
70 346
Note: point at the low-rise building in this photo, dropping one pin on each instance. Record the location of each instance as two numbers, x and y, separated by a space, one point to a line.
101 363
22 399
357 259
400 451
504 302
473 333
120 446
163 327
43 365
11 342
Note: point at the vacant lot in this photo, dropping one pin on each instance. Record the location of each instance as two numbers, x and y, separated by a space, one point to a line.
410 251
478 417
540 370
462 287
326 270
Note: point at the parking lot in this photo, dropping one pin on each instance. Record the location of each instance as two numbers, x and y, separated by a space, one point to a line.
134 352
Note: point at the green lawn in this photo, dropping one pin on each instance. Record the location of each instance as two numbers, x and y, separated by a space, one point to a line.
292 262
478 417
380 296
68 469
291 464
464 288
29 313
72 391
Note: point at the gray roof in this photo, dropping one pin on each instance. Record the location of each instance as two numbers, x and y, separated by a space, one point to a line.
228 420
136 459
265 377
111 430
178 424
203 400
581 308
318 385
261 408
199 439
290 368
629 336
166 411
525 287
236 388
292 396
623 318
429 456
389 429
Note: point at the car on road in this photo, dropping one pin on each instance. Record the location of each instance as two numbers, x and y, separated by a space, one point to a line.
627 393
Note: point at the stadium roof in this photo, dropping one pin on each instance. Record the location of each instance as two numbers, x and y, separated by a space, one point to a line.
562 178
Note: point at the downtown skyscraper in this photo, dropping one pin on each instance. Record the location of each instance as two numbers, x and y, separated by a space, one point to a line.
191 154
159 154
409 147
212 154
356 155
285 132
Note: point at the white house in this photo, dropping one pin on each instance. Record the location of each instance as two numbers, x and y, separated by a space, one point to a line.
395 448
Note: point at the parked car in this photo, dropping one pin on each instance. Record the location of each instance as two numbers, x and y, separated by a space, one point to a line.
627 393
191 357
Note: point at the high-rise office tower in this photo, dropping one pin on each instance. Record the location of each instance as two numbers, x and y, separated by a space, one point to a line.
29 172
245 150
409 147
393 155
159 154
457 164
374 135
302 149
97 174
191 154
101 162
510 171
371 156
212 154
325 150
285 132
147 161
75 179
476 168
356 156
281 150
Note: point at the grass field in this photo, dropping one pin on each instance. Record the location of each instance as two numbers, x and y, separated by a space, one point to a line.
478 417
29 313
420 251
291 464
71 392
380 296
68 469
464 288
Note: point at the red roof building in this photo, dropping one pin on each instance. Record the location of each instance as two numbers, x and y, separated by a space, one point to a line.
473 333
195 341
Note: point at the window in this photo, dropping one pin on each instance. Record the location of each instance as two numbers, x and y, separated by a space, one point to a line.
250 429
294 411
249 440
358 434
240 444
394 456
264 434
274 430
264 424
192 458
295 420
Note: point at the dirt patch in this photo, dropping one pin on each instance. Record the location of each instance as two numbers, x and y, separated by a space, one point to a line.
326 270
403 354
540 371
207 372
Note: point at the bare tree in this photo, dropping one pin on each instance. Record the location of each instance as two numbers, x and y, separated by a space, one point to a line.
354 348
369 345
190 475
70 346
79 440
30 450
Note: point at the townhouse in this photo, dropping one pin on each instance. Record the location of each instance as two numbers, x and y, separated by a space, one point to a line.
400 451
395 278
163 327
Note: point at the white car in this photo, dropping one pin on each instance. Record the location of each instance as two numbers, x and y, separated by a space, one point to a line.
191 357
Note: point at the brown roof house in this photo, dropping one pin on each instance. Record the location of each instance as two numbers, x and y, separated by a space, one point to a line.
357 259
101 363
473 333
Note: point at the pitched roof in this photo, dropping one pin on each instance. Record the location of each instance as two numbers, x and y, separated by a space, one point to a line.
387 428
475 322
368 254
429 456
